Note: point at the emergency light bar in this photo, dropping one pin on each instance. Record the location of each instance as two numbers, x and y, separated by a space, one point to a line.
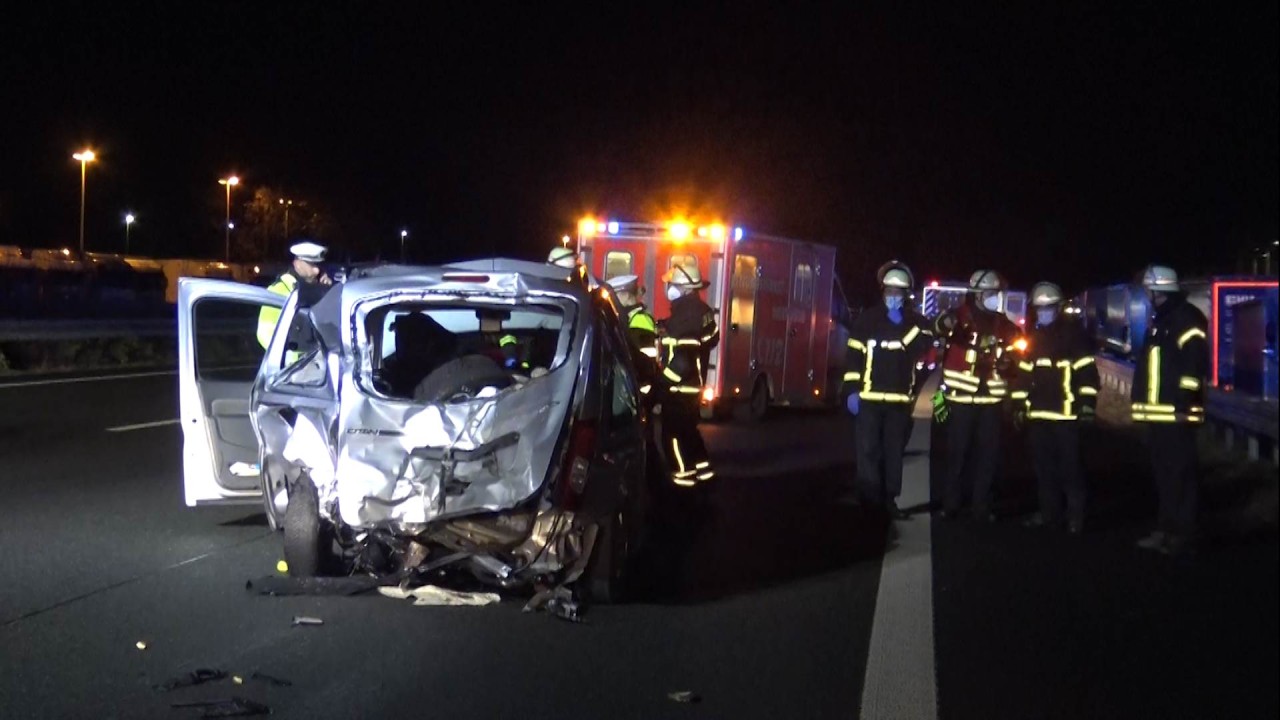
678 230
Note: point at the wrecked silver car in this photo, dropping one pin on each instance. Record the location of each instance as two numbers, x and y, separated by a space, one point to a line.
480 417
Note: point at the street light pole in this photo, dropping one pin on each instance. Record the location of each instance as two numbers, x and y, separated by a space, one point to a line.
403 234
85 157
128 223
229 182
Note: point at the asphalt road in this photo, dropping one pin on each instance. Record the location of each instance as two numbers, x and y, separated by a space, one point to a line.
767 611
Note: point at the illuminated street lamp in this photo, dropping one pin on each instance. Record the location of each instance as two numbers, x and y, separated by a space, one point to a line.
287 204
403 234
229 182
128 223
85 157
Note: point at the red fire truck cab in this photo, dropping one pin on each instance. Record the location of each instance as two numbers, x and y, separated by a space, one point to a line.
782 313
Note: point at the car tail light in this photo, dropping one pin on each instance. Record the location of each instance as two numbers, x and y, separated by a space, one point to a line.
577 463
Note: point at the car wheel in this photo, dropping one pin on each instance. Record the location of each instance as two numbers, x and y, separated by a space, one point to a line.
466 375
606 572
308 546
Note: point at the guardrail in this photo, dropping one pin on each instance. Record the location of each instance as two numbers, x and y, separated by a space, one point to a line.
1239 419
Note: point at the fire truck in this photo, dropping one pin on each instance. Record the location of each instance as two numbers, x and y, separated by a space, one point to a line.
782 313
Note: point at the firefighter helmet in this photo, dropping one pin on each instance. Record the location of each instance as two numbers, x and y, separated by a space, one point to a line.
562 257
1044 294
894 274
984 280
685 277
1160 278
624 283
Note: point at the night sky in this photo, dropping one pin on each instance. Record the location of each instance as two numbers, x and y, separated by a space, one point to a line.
1073 144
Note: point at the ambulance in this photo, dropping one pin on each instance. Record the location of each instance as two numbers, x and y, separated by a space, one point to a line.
782 313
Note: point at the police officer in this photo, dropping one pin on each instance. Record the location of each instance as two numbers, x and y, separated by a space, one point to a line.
976 368
306 275
1168 398
880 378
1058 386
689 334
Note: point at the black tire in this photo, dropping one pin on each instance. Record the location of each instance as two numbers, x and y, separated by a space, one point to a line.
607 569
308 548
756 409
466 376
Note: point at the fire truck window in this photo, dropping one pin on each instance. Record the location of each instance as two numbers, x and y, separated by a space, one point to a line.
617 263
802 286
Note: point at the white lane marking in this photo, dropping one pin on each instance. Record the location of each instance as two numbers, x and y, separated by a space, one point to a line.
901 678
142 426
68 381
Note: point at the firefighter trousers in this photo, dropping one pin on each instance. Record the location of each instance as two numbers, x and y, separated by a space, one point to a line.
1174 462
973 444
686 453
879 430
1055 454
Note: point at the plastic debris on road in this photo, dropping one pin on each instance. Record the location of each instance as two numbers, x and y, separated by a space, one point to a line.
141 645
685 696
199 676
304 620
559 601
233 707
436 596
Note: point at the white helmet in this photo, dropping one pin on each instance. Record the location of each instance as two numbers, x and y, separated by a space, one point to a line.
624 283
1044 294
562 257
685 277
1160 278
983 280
894 274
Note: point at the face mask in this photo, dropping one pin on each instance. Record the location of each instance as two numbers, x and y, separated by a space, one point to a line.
893 302
673 293
991 302
1044 316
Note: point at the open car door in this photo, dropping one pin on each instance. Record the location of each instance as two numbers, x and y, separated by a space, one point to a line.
218 359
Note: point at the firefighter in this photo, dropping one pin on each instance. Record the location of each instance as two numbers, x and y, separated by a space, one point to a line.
563 257
305 274
642 329
689 335
880 378
1058 386
1168 398
976 367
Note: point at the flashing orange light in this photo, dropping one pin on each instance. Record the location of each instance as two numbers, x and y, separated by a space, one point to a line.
717 232
678 231
708 394
587 227
1021 345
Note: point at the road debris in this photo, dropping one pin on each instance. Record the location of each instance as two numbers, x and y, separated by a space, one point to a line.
284 585
304 620
282 567
199 676
141 645
272 681
433 595
233 707
559 601
685 696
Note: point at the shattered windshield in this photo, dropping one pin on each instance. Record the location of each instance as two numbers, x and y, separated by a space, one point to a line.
409 342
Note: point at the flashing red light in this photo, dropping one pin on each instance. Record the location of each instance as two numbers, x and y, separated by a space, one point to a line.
933 283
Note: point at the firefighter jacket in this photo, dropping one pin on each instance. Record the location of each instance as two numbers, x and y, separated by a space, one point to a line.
1169 380
880 362
1058 379
690 334
981 355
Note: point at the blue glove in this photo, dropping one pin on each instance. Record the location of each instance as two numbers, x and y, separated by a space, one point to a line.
852 403
895 316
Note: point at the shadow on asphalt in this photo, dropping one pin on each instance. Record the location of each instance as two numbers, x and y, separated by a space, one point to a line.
750 535
254 520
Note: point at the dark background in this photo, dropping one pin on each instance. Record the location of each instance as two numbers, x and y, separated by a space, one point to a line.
1075 143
